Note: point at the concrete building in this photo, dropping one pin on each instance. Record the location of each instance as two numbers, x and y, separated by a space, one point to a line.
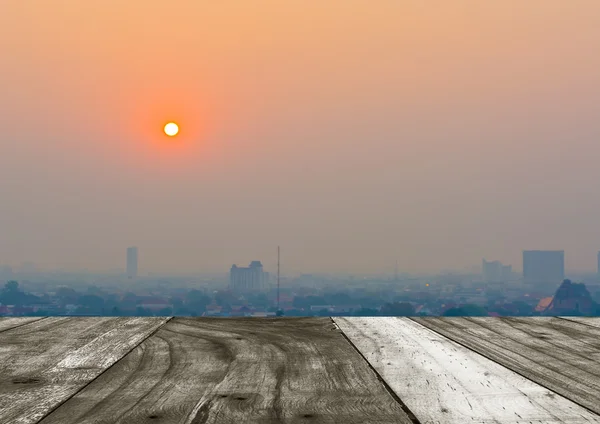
544 266
252 278
132 262
495 272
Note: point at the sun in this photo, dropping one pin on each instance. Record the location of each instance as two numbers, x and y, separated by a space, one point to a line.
171 129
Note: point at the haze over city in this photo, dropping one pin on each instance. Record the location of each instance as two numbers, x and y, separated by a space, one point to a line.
352 134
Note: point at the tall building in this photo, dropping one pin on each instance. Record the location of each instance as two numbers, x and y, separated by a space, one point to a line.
492 271
544 266
132 262
251 278
495 271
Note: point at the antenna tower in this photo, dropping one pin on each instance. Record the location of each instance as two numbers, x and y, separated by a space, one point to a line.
278 278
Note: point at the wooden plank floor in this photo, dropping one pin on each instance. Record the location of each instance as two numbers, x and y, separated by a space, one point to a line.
237 371
44 362
8 323
443 382
562 355
296 370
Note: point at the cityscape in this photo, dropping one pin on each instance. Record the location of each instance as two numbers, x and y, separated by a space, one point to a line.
239 212
542 288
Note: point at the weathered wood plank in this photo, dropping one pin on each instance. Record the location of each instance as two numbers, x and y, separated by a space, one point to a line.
443 382
7 323
237 371
559 354
45 362
591 321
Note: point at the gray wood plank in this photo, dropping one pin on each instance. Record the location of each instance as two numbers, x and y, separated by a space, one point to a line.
591 321
7 323
559 354
443 382
211 370
45 362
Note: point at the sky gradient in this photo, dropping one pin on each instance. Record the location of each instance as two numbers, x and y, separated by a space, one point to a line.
352 133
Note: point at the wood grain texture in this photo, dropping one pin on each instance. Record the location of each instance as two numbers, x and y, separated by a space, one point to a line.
45 362
591 321
443 382
7 323
211 370
562 355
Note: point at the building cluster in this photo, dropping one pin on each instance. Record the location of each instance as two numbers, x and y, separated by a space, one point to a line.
539 266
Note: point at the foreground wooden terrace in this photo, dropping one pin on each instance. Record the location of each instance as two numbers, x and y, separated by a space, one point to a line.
64 370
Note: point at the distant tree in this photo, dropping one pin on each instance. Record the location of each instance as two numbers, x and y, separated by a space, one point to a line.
338 299
523 308
142 312
324 313
196 301
12 295
165 312
91 303
366 312
259 300
301 302
225 298
372 302
296 313
467 310
67 295
397 309
11 286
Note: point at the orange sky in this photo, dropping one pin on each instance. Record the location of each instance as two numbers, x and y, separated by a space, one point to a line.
353 133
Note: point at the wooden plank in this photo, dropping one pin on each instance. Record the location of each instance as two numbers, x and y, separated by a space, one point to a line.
443 382
559 354
45 362
591 321
212 370
7 323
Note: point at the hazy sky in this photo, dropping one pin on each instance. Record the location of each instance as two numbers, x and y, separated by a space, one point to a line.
352 133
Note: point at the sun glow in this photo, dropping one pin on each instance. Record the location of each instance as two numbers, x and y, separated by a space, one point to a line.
171 129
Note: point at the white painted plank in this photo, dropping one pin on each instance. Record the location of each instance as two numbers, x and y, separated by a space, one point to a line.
443 382
558 354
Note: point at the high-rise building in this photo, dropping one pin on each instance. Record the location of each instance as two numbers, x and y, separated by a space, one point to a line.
506 273
495 271
132 262
251 278
544 266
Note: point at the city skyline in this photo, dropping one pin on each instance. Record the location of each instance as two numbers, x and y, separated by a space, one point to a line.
491 270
